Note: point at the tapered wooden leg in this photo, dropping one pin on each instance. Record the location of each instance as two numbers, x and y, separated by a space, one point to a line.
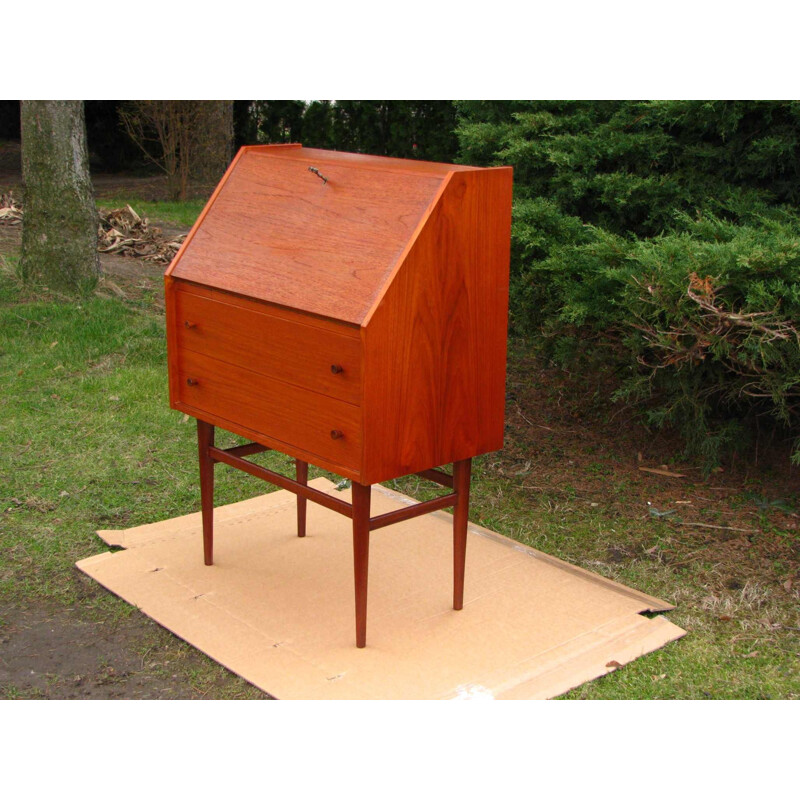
461 476
361 503
301 470
205 439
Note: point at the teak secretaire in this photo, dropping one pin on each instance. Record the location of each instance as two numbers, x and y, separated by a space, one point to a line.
351 312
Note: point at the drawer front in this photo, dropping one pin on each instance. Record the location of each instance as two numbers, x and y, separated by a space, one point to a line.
315 358
307 420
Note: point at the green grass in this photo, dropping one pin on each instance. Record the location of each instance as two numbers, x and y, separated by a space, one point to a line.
87 438
88 441
181 214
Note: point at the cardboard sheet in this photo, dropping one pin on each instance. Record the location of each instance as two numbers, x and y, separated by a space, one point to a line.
279 611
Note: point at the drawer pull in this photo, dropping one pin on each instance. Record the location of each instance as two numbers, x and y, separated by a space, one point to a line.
188 324
192 381
336 434
336 368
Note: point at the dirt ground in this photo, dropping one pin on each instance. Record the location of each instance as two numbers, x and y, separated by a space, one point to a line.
556 442
57 654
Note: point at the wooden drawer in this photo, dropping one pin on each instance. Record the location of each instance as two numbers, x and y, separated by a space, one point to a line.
279 410
301 354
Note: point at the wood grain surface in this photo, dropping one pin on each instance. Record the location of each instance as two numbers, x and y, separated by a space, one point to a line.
279 410
435 344
298 353
277 232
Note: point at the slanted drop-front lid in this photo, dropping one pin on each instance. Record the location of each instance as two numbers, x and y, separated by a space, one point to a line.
321 240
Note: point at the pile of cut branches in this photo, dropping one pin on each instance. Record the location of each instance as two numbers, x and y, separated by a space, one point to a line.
121 231
10 209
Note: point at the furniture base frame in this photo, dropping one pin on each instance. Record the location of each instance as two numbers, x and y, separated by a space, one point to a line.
358 510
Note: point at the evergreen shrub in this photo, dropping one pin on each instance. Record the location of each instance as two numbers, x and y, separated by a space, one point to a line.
659 241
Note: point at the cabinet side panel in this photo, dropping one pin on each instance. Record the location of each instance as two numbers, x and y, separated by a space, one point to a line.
435 347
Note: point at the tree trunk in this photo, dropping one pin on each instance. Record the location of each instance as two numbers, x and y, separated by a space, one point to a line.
212 143
59 226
